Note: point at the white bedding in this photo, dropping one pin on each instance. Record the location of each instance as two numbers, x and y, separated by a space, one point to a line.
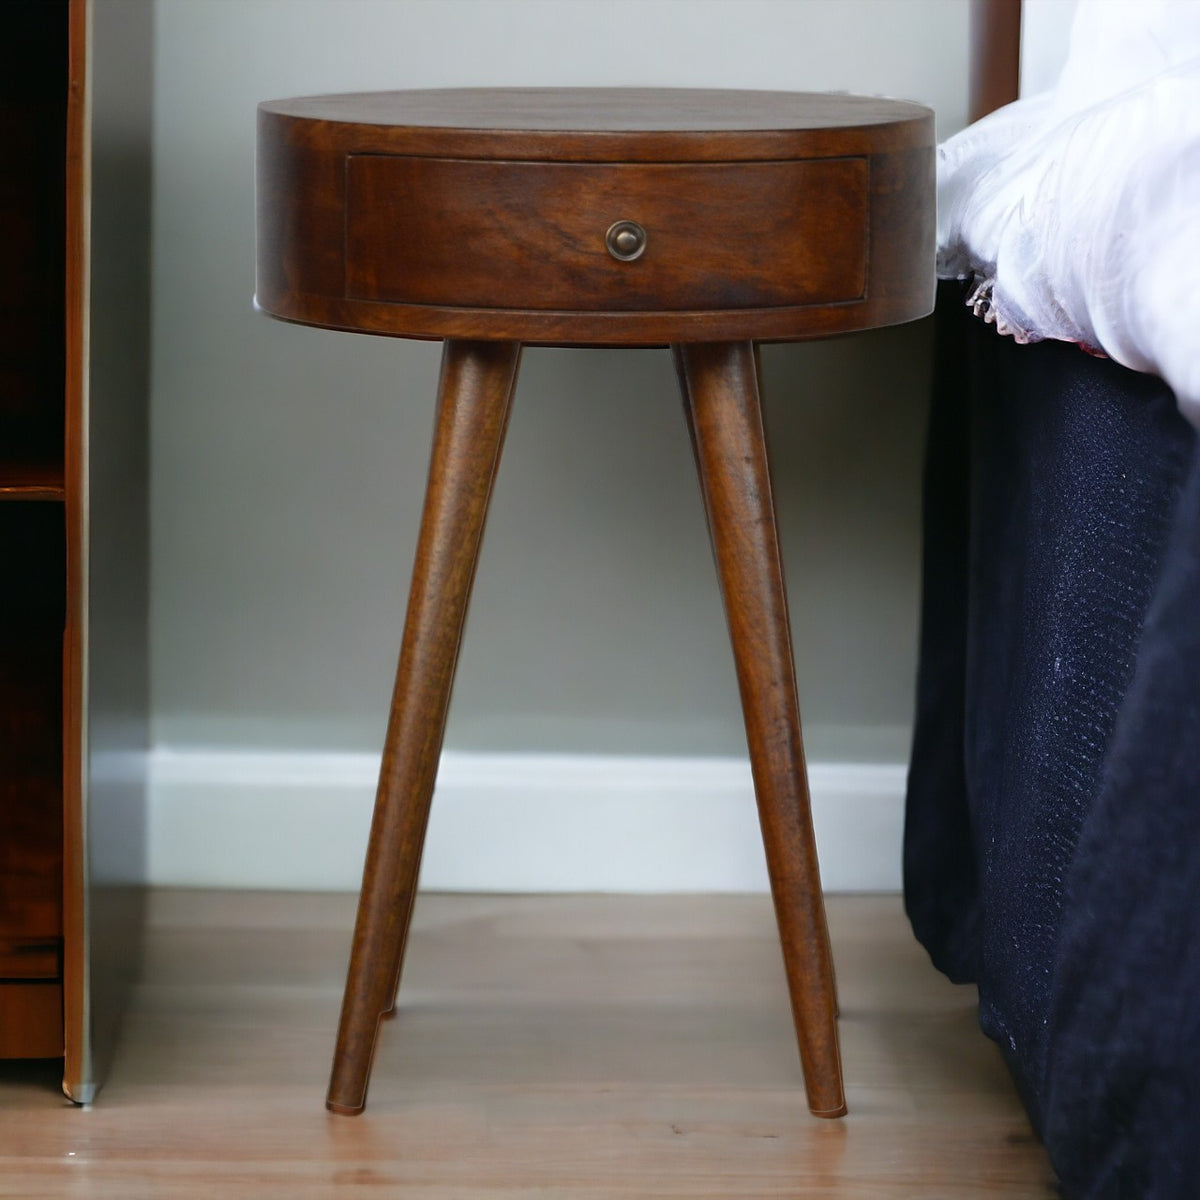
1077 211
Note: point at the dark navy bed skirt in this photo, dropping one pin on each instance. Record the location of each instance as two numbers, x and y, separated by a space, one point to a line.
1052 848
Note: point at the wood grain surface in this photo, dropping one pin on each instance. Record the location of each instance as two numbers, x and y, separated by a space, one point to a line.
559 1046
799 235
481 217
474 399
725 417
722 402
482 214
591 124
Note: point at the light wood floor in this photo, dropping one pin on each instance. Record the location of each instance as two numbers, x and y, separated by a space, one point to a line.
547 1046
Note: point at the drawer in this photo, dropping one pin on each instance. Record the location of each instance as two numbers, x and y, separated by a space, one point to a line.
485 234
30 958
31 789
31 1020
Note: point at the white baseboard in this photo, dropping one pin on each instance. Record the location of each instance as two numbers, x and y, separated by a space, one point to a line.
509 822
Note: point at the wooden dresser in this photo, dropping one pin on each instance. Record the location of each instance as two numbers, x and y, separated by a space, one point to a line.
73 355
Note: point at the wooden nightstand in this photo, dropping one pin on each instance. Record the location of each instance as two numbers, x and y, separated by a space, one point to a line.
702 220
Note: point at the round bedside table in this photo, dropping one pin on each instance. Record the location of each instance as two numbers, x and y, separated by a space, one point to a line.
703 220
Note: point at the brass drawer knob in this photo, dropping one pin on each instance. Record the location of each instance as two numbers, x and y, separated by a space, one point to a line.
626 240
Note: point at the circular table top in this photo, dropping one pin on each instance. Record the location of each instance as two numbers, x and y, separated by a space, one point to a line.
699 124
491 213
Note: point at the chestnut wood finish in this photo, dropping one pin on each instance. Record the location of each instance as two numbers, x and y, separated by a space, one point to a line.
721 394
824 225
474 396
481 217
408 219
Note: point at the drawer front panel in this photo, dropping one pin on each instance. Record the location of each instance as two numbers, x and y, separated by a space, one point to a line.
31 1020
531 235
30 958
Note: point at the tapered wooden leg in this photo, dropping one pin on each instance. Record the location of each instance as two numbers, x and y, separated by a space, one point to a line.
474 395
833 969
721 395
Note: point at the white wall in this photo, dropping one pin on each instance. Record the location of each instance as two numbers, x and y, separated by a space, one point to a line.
1045 33
288 464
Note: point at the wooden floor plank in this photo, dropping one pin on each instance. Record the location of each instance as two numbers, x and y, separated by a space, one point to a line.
564 1046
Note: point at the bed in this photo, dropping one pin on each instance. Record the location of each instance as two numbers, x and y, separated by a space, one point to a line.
1052 845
